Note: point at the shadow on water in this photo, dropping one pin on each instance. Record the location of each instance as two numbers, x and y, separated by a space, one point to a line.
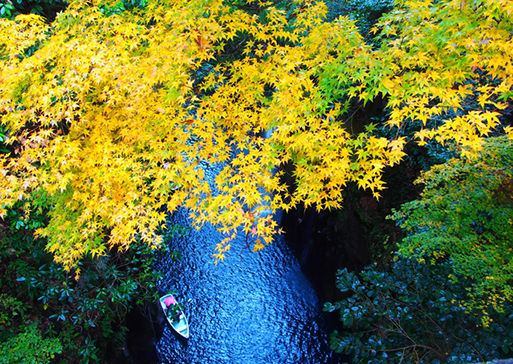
251 308
144 323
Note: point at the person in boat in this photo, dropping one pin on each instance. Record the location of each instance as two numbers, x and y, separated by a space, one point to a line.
172 309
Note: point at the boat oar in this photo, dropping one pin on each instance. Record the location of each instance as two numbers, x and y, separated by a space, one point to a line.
189 318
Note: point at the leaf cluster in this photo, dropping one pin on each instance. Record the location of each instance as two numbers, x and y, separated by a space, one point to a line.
465 214
83 313
414 314
29 347
107 110
47 8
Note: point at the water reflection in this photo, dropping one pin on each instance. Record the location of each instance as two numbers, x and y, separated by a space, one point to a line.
251 308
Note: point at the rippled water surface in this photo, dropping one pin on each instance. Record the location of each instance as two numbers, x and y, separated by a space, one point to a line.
251 308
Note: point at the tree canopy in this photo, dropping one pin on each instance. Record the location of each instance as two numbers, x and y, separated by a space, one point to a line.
109 116
465 214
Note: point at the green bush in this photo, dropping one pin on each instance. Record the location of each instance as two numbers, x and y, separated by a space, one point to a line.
84 312
29 347
465 214
11 309
365 12
415 314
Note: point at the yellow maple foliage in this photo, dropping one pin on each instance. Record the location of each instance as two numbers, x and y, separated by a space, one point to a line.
112 117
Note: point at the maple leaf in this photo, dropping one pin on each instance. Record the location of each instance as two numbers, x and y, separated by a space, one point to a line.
115 120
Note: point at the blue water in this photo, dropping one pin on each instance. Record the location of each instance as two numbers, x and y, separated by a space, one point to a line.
251 308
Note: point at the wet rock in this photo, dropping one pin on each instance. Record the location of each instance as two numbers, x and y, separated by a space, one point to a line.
324 243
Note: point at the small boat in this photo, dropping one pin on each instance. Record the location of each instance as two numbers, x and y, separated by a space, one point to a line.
179 321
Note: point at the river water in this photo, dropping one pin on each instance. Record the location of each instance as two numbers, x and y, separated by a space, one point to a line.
252 308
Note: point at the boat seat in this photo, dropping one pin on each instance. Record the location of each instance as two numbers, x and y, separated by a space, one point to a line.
180 325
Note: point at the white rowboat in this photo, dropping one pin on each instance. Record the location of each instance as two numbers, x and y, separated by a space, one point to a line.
179 323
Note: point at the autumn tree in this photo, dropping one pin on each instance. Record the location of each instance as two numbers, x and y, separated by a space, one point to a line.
110 116
47 8
471 226
447 295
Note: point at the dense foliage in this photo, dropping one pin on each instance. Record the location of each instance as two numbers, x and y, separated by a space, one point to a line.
109 112
106 112
47 8
29 347
414 314
46 312
466 214
448 296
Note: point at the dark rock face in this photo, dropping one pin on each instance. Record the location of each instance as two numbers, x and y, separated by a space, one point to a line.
326 242
144 325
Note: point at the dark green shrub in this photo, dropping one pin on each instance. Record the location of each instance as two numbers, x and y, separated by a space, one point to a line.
465 214
415 314
365 12
29 347
85 312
